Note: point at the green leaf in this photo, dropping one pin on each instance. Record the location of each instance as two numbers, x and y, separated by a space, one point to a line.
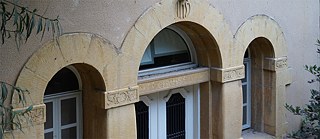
29 108
4 91
39 26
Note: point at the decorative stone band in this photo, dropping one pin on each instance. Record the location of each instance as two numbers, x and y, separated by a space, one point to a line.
227 74
120 97
36 116
274 64
173 80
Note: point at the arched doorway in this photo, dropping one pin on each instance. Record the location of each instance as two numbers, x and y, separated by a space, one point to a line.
169 113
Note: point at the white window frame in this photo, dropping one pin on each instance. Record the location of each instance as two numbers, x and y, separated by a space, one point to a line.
56 99
174 67
157 111
56 105
247 62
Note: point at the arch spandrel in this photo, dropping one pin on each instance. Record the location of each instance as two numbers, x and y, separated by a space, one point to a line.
73 49
164 14
260 26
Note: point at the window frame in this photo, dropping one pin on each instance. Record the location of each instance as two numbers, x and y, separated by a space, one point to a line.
174 67
157 111
247 63
56 99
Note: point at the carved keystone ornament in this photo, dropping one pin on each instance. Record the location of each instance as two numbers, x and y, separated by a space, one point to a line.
183 8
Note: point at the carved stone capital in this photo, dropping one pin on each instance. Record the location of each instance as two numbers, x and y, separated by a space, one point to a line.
36 116
120 97
227 74
274 64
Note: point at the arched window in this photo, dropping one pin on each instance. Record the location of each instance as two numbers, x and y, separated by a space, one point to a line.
171 49
63 105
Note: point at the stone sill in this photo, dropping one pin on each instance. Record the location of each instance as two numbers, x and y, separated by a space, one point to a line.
250 134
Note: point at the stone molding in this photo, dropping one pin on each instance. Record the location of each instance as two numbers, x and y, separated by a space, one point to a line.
175 80
36 116
183 8
227 74
117 98
275 64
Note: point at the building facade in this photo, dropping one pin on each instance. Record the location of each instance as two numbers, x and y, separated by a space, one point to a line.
166 69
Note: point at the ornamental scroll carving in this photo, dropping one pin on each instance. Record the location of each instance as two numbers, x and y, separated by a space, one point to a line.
228 74
233 74
274 64
121 97
281 63
35 117
183 8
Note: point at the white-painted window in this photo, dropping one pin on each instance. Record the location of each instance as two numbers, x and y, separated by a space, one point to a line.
246 90
169 114
63 106
170 50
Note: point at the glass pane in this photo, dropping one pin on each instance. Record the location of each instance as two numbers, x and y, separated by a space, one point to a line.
168 42
176 117
147 56
244 118
244 94
69 133
142 118
167 48
64 80
68 111
48 135
49 116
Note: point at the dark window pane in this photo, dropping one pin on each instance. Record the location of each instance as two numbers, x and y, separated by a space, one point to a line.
68 111
244 93
244 118
142 118
49 116
48 135
69 133
176 117
64 80
246 54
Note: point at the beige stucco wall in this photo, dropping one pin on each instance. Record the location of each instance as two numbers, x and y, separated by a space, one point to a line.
112 20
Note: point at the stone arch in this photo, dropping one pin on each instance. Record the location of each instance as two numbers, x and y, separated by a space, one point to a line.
265 41
260 26
209 33
202 17
89 54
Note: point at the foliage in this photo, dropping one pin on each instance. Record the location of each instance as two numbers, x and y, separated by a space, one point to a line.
8 117
19 21
310 114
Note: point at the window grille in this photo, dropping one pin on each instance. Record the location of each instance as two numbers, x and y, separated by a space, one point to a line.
176 117
142 118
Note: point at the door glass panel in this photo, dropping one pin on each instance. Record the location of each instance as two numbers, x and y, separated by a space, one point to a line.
48 135
176 117
244 118
68 111
244 91
49 116
69 133
142 118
